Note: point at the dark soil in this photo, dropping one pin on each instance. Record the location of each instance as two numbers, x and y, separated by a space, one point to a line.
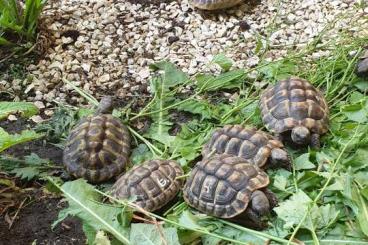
34 220
34 223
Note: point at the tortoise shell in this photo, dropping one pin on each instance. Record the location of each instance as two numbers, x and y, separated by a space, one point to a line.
294 102
221 186
97 148
153 183
214 4
250 144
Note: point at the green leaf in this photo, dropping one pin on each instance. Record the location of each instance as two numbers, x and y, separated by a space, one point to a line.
279 70
85 203
26 109
140 154
230 79
172 76
224 62
357 112
101 239
26 173
200 107
292 210
147 234
302 162
9 140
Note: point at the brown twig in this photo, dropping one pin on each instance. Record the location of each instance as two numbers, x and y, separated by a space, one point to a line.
16 213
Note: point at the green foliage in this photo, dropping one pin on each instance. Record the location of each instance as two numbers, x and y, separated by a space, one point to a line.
9 140
85 203
224 62
62 121
26 109
32 166
18 20
323 200
146 234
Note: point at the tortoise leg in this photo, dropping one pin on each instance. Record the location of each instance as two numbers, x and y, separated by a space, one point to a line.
315 142
254 220
271 198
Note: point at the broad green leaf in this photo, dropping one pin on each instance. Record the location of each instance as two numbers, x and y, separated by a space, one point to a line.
172 76
148 234
8 140
26 109
279 70
357 112
228 79
200 107
224 62
292 210
302 162
85 203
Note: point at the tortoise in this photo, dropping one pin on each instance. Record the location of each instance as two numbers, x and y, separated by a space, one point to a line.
153 183
362 65
214 4
255 146
295 110
230 187
98 148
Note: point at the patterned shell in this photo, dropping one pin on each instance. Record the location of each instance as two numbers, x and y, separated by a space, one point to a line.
97 148
214 4
222 186
294 102
250 144
153 183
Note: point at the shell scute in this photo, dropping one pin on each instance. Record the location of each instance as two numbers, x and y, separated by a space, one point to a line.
154 184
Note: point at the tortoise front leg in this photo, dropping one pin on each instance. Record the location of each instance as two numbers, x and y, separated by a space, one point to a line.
315 142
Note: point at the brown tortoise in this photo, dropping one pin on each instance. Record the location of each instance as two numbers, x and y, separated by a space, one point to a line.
293 108
98 148
227 186
214 4
255 146
153 183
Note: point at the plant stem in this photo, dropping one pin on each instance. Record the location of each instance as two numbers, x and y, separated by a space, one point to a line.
324 186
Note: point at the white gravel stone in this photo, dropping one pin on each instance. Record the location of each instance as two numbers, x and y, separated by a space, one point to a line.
113 42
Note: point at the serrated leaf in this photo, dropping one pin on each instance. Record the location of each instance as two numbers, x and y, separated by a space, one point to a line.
224 62
85 203
279 70
26 109
26 173
148 234
9 140
303 162
230 79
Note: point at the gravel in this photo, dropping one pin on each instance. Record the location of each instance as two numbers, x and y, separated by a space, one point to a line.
105 46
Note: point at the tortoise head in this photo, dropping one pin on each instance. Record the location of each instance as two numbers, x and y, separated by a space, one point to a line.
280 158
300 135
106 105
260 203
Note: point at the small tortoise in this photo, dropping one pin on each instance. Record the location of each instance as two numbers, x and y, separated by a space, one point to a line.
293 108
227 186
214 4
362 65
256 147
97 149
153 183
